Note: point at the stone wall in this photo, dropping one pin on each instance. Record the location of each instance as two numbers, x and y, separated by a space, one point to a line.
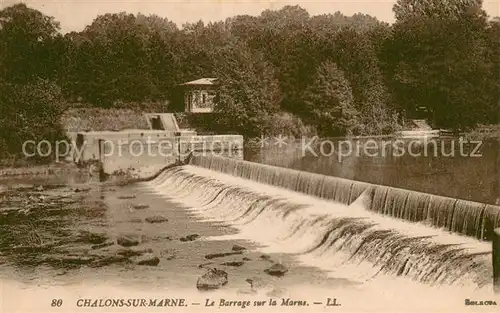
147 155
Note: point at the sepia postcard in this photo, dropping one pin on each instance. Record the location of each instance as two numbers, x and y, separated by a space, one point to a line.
264 156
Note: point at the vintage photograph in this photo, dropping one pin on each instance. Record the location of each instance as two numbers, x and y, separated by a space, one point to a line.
321 156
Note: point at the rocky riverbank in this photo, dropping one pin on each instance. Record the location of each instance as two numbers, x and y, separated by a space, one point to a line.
62 233
45 170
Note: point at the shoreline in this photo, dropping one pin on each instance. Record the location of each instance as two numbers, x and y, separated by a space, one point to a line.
52 168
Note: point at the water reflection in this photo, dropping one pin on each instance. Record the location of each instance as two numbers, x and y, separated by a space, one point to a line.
426 170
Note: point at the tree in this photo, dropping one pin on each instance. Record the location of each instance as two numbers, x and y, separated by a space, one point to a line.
248 90
440 58
356 55
330 102
444 9
29 112
27 49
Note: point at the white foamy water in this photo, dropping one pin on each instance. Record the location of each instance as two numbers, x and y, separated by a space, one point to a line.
400 266
390 257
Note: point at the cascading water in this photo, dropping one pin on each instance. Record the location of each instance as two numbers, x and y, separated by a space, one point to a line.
346 240
459 216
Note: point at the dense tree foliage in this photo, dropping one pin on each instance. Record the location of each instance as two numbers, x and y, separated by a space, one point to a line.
29 112
331 71
248 90
330 102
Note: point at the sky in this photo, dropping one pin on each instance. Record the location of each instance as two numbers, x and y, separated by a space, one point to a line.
74 15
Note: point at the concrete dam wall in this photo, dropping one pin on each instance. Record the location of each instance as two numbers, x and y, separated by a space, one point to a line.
153 153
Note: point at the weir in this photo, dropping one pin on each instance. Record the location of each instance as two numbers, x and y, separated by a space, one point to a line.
351 229
468 218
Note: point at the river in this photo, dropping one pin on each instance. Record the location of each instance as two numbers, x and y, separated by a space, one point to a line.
58 240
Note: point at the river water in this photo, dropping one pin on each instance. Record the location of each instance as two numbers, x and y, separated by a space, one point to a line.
47 239
58 240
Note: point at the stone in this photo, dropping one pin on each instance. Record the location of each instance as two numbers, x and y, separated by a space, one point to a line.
221 255
233 263
156 219
190 237
276 269
147 259
39 188
238 248
246 259
212 279
130 252
127 241
140 206
126 197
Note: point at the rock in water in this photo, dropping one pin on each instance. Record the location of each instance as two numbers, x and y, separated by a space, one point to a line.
233 263
129 252
140 206
191 237
126 241
276 269
238 248
156 219
212 279
147 259
221 255
126 197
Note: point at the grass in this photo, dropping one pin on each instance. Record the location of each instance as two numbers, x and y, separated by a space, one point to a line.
99 119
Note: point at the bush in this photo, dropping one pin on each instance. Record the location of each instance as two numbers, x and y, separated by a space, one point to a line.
99 119
143 106
286 124
330 102
29 112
